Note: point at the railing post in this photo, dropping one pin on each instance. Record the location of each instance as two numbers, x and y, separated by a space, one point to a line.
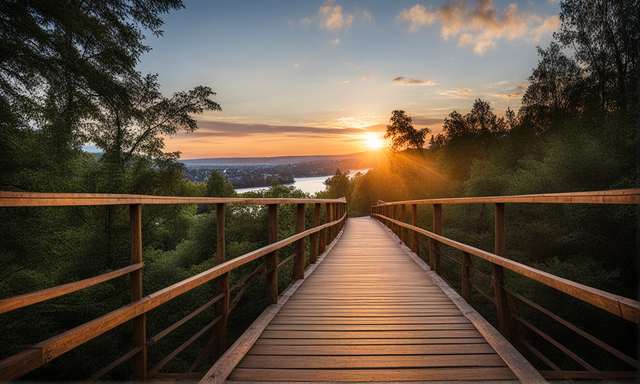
139 323
403 218
466 277
222 306
414 221
323 233
502 306
272 258
395 217
329 213
435 245
298 260
314 237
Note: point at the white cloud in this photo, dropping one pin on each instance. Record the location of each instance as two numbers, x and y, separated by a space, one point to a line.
414 82
332 17
482 26
416 17
334 42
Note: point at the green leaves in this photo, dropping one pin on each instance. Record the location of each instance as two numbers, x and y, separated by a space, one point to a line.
403 134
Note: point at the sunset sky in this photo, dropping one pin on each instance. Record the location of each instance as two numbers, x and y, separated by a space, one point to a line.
314 77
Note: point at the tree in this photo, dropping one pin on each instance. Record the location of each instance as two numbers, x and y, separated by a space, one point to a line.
555 90
339 185
59 63
605 35
218 186
469 137
403 134
136 129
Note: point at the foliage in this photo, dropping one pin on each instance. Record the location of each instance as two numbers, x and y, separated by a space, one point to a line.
403 134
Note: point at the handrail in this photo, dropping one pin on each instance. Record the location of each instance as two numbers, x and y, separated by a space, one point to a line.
20 301
621 196
32 199
618 305
44 351
628 309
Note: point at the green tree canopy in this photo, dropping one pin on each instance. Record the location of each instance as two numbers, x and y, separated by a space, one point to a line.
403 134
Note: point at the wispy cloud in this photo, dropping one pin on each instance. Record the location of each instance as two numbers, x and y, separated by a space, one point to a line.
419 82
465 90
332 17
334 42
296 64
482 26
366 78
225 129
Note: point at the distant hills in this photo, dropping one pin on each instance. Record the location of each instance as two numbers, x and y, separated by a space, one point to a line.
272 160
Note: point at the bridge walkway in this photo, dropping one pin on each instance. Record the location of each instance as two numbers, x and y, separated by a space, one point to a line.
372 311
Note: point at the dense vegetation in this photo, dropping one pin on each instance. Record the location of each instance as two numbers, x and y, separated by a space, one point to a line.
68 77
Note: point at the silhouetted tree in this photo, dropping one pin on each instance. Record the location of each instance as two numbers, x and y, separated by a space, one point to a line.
403 134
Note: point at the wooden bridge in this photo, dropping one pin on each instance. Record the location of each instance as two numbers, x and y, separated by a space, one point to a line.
367 308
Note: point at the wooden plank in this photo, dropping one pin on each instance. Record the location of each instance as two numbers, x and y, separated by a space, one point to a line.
12 303
139 323
477 340
280 319
371 350
31 199
362 327
449 334
621 196
362 362
516 362
488 373
314 237
272 258
222 306
299 259
225 365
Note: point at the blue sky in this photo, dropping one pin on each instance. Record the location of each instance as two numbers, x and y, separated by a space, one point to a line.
319 77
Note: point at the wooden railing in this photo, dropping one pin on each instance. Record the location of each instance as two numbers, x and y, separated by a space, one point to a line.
47 350
394 216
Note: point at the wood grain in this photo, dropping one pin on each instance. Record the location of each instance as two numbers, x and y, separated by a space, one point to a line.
369 313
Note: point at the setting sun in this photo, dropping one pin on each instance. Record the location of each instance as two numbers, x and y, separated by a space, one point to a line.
373 142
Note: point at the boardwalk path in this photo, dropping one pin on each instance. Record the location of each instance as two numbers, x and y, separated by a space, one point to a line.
369 312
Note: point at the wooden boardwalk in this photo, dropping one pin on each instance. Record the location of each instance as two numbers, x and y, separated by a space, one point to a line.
370 312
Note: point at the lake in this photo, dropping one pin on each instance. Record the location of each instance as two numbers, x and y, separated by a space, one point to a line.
305 184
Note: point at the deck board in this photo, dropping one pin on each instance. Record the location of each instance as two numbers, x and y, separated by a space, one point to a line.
369 312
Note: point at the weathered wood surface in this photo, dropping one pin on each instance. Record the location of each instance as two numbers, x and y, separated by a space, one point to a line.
33 199
370 313
620 196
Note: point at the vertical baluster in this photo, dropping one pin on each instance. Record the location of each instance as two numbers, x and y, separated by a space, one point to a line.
298 260
498 274
323 233
330 230
414 221
222 306
139 323
403 218
314 237
466 277
272 258
435 245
